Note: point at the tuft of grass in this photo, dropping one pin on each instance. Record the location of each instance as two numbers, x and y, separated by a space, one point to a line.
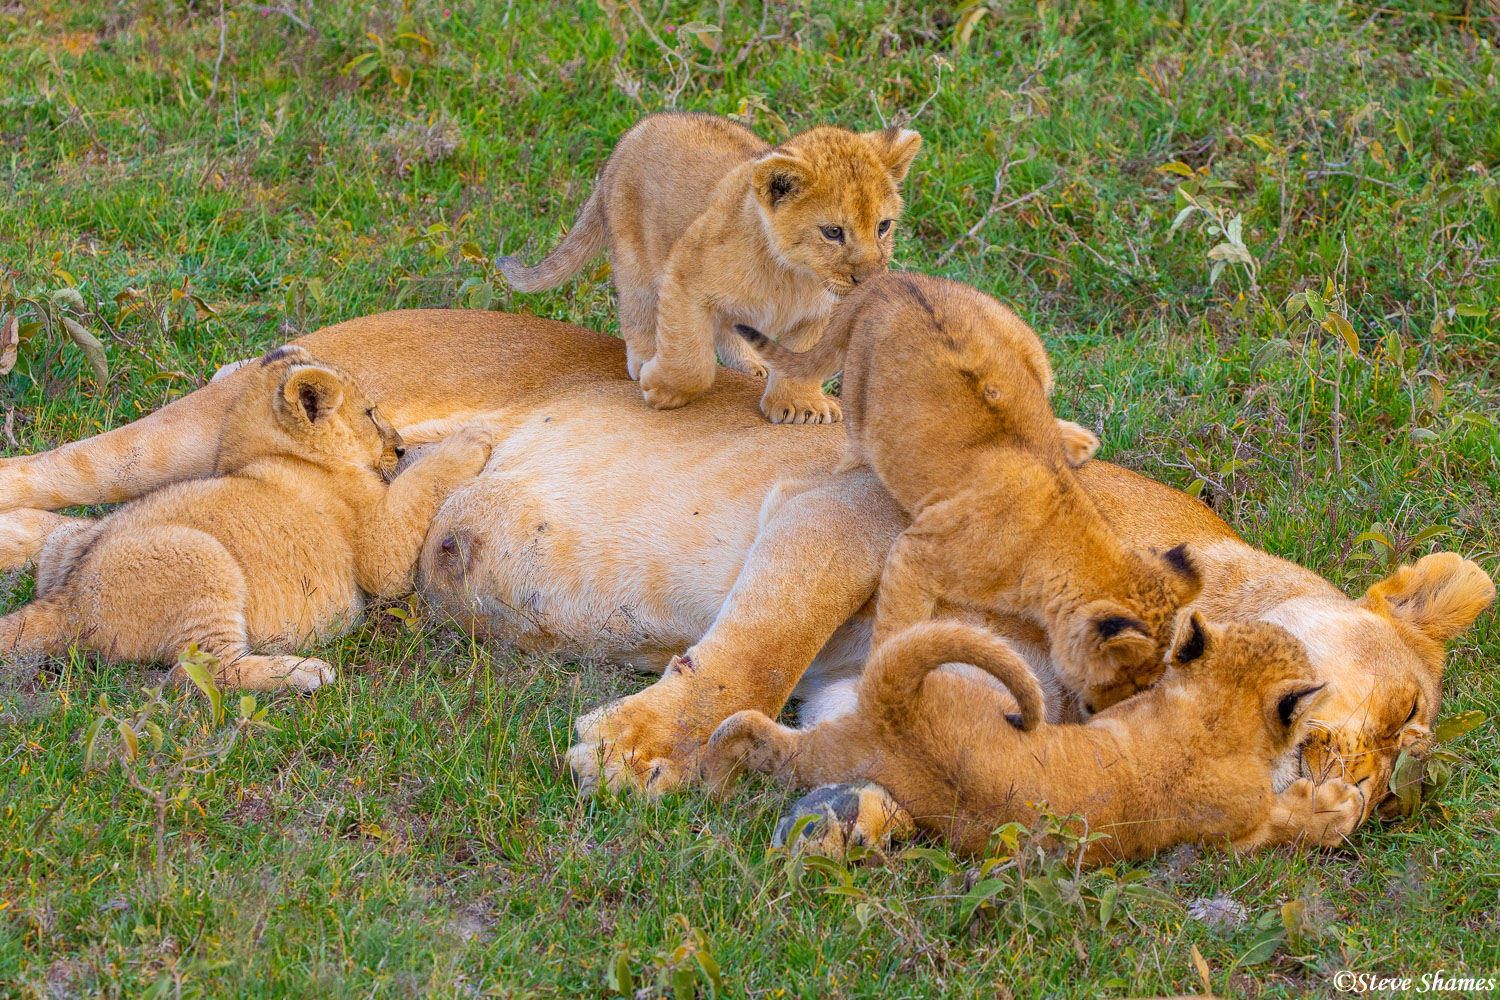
1259 240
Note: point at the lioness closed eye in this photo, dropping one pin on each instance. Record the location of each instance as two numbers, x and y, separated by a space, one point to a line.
936 369
706 226
288 538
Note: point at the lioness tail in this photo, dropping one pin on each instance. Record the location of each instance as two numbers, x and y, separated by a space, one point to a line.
583 241
893 677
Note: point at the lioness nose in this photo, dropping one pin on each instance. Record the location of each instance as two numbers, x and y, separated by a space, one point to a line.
400 450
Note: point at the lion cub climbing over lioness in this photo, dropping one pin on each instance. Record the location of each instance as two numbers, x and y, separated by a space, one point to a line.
1189 760
707 226
945 392
296 528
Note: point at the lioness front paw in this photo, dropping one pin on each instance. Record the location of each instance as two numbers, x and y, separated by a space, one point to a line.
831 819
647 742
798 405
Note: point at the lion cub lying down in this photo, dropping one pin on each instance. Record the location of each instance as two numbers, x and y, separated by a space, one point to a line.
1189 760
706 226
936 369
295 530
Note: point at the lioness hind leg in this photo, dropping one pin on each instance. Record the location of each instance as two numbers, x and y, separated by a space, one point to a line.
177 442
831 819
24 535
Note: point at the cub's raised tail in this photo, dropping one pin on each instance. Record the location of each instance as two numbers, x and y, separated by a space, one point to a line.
892 683
583 241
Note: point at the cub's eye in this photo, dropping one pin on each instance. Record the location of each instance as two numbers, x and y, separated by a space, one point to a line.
885 227
834 233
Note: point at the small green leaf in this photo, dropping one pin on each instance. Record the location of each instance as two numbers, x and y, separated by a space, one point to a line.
91 346
978 896
91 742
1455 726
131 742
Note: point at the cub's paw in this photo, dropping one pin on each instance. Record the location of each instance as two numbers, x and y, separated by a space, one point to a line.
271 673
1079 443
662 393
1338 807
832 819
795 405
473 441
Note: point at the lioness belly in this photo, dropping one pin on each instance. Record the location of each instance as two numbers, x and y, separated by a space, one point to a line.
587 537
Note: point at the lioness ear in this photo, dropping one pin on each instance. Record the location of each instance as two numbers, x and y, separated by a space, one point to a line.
896 147
311 395
1437 597
1191 642
781 178
1288 702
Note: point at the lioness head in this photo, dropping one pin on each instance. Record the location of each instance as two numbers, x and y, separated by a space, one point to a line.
293 404
830 199
1382 658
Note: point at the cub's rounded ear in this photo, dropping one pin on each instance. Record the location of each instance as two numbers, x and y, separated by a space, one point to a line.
1191 642
1288 702
781 178
896 147
1437 598
311 395
1122 638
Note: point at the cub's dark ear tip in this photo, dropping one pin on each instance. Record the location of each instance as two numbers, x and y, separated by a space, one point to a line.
1112 626
1195 644
748 332
1178 558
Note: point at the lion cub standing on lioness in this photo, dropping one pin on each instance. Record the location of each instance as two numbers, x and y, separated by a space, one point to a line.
297 527
1189 760
707 226
946 396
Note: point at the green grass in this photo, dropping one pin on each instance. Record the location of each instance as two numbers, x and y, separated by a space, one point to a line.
407 832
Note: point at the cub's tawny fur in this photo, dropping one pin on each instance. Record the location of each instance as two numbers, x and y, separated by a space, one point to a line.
707 226
1190 760
946 395
287 539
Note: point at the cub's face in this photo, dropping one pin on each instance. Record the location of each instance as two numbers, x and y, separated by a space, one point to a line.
830 201
315 410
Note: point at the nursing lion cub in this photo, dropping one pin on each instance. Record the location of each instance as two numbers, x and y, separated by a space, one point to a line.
1190 760
294 530
706 226
946 396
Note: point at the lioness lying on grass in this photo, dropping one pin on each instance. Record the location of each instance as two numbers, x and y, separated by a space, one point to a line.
1189 760
605 528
